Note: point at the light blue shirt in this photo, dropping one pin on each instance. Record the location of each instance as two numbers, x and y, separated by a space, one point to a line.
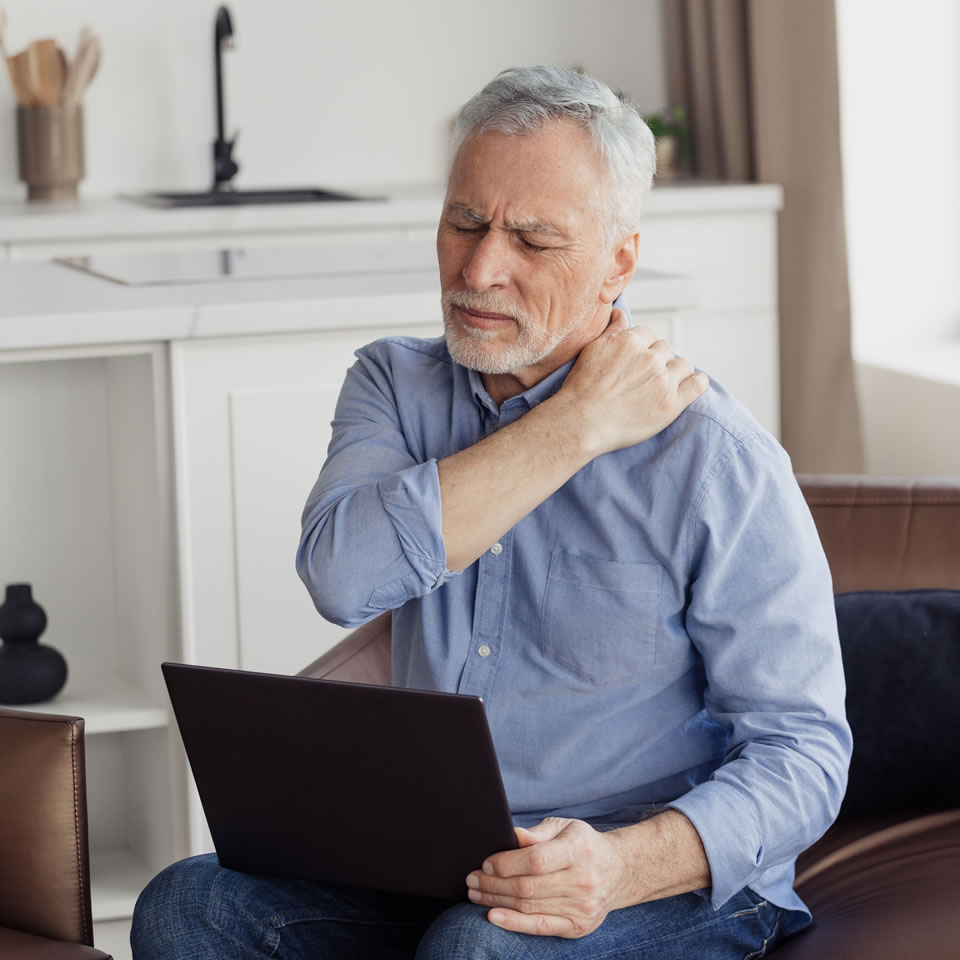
660 631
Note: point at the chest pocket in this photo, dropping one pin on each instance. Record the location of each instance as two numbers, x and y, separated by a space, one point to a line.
600 618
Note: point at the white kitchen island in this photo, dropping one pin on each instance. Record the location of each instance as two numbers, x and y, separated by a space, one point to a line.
159 441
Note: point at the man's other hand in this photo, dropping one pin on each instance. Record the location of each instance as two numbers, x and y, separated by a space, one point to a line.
562 882
627 385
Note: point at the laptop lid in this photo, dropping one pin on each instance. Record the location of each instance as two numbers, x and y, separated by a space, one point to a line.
342 782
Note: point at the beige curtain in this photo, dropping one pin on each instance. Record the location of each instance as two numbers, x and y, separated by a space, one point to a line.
759 81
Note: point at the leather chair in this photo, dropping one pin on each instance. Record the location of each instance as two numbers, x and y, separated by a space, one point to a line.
45 909
884 887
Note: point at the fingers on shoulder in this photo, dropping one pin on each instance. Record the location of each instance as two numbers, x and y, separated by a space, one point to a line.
692 387
643 335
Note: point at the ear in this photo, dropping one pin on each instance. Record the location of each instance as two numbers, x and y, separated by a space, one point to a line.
622 268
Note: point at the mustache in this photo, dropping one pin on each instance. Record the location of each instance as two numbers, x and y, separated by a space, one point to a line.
489 302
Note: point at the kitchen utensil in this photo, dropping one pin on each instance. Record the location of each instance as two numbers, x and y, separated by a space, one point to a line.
3 36
46 65
16 68
22 82
83 69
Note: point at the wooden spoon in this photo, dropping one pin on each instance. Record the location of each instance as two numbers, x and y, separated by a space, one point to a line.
15 67
47 73
21 75
83 69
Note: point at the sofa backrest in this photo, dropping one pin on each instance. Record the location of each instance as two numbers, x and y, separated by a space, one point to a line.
893 546
887 533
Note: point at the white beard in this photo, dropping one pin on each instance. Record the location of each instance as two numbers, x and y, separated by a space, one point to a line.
474 348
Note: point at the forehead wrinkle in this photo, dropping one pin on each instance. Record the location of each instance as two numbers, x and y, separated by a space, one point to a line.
534 225
524 225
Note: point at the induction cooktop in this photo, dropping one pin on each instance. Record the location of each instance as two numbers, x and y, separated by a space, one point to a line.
266 263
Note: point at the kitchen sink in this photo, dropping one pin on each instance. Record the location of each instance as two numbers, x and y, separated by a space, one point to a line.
235 198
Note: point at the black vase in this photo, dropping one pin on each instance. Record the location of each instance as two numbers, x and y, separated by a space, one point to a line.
30 672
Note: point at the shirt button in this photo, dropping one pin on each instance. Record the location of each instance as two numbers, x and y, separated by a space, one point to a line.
497 549
483 650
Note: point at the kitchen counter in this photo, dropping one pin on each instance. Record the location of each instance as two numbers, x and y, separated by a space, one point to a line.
23 224
49 304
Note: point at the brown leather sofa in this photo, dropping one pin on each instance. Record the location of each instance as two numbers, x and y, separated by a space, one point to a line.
884 886
44 867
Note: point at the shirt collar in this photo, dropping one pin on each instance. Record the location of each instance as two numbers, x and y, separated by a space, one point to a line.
542 390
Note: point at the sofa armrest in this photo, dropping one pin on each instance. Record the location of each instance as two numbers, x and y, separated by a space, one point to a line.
45 873
25 946
362 657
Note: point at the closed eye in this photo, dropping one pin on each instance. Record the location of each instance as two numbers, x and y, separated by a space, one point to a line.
531 246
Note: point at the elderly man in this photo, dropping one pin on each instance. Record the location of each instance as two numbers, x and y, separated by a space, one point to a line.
568 520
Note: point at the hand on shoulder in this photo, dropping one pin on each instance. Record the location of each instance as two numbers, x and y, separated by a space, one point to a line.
626 386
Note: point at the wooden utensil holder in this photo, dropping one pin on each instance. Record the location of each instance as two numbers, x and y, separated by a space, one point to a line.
50 152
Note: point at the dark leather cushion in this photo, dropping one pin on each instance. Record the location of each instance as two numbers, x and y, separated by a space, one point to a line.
25 946
901 655
889 895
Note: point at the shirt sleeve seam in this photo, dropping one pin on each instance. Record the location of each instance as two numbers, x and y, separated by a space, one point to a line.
716 469
414 345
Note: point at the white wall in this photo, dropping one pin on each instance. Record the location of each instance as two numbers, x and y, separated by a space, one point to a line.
900 109
324 93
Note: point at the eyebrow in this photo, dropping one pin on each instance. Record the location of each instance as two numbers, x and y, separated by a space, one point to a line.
528 225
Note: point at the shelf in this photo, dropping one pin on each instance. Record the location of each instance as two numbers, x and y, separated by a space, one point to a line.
117 877
108 704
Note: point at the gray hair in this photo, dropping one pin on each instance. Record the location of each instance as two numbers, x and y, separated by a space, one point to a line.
518 101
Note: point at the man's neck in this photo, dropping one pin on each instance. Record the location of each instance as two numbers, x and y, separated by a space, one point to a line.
503 386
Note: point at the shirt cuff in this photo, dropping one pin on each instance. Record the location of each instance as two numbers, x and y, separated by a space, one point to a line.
411 501
730 837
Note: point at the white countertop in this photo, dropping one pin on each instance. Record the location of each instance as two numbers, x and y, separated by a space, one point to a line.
47 304
25 223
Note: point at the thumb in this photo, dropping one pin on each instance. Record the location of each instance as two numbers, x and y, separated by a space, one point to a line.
525 837
618 320
545 830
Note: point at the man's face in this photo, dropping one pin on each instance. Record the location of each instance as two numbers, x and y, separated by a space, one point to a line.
522 251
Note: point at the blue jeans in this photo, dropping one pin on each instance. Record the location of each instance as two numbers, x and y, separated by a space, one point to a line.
197 910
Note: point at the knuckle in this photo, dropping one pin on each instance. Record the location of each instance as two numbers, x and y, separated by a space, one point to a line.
587 887
582 929
543 926
525 887
527 906
538 860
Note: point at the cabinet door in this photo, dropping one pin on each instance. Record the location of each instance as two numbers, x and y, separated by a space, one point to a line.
252 423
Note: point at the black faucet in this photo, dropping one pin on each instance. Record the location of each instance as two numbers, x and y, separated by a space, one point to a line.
224 166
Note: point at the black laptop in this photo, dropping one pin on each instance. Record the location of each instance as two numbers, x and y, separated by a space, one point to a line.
342 782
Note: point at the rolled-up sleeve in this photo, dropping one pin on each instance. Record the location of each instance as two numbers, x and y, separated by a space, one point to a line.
371 529
761 615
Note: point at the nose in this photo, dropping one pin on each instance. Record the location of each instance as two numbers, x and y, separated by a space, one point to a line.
488 264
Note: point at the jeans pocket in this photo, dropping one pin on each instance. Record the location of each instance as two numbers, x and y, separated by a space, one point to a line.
600 618
765 921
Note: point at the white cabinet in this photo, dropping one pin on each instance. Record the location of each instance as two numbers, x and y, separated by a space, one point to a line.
86 517
731 255
252 420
